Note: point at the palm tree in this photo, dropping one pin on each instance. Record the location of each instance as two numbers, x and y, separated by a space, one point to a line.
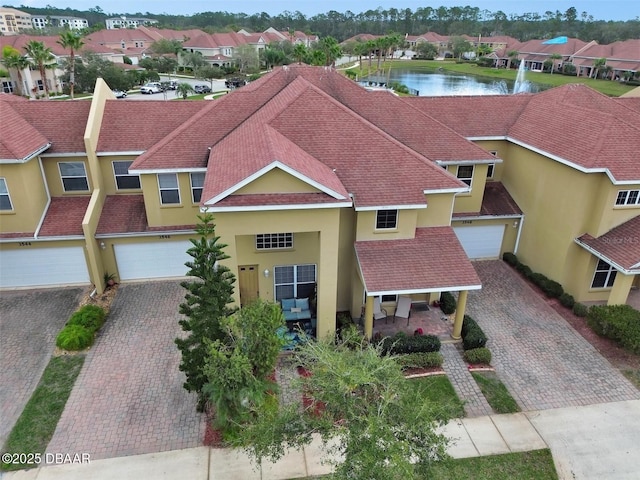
511 54
183 90
300 52
552 57
40 56
73 42
11 58
598 64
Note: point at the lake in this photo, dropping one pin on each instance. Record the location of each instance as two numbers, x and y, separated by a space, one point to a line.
437 83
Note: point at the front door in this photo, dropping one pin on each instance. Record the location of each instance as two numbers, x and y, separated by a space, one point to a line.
248 280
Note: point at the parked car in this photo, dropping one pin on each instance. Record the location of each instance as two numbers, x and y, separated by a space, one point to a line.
170 85
119 93
151 87
202 89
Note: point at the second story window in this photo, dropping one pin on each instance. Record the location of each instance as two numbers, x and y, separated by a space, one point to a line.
169 191
270 241
628 197
386 219
197 182
465 173
74 176
124 180
5 199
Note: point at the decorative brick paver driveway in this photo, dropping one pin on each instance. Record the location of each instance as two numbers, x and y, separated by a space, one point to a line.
543 362
29 323
129 398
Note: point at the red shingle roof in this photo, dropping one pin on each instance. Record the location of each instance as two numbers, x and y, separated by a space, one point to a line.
432 261
19 140
64 216
620 245
496 201
274 199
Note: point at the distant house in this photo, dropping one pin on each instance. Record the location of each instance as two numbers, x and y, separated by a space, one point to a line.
128 22
13 21
40 22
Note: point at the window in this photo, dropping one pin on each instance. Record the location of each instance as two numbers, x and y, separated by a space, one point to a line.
197 182
388 298
40 85
7 87
270 241
74 176
5 199
465 173
169 191
628 197
490 169
294 281
604 276
386 219
124 181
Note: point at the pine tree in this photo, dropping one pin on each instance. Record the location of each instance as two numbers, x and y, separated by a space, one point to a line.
206 302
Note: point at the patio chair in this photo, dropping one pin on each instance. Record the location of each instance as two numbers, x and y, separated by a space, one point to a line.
379 312
403 309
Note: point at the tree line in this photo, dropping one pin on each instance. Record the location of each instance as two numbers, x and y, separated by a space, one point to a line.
342 25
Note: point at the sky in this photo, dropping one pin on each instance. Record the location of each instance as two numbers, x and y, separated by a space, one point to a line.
599 9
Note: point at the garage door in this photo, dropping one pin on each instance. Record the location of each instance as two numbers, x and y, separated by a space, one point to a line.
31 267
481 241
152 260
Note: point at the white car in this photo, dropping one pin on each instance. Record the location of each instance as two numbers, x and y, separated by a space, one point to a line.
151 87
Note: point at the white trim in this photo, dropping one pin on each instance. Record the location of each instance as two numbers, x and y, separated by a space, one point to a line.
8 194
177 187
609 271
266 208
42 239
145 234
473 171
615 265
33 154
64 155
515 248
46 207
386 229
191 187
494 137
448 190
115 176
390 207
167 170
444 163
86 176
486 217
453 288
118 154
268 168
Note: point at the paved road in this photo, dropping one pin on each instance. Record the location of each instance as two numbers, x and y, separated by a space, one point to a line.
129 399
29 323
543 362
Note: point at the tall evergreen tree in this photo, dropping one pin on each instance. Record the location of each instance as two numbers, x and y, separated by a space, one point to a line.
206 303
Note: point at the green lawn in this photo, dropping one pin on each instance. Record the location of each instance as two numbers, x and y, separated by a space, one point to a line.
439 390
35 427
633 376
495 392
607 87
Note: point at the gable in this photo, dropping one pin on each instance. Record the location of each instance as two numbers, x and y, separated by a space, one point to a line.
276 181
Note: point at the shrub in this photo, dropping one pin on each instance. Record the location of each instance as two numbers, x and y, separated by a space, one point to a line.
580 309
400 344
551 288
90 317
510 258
475 338
478 355
617 322
524 270
538 279
447 303
567 300
420 360
468 323
74 337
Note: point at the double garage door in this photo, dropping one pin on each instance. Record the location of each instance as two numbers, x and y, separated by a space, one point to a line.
481 241
33 267
152 260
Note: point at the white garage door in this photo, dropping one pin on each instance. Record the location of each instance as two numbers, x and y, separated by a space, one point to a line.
31 267
152 260
481 241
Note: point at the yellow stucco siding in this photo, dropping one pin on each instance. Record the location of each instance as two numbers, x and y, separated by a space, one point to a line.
438 211
27 194
54 179
184 213
346 258
276 181
472 201
500 147
614 215
511 227
108 176
366 226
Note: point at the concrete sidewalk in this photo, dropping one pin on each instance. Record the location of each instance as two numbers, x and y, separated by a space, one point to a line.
592 442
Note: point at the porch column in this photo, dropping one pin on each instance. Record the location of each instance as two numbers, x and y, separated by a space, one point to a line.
457 324
620 289
368 318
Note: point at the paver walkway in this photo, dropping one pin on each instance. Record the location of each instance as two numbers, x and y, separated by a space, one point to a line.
475 403
29 323
129 398
543 362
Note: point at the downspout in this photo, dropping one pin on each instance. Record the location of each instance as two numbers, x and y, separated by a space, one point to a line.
515 249
46 208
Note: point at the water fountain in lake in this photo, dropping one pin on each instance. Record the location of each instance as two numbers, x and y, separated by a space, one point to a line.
521 85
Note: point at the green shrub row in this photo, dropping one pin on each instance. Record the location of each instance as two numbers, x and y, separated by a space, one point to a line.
580 309
472 335
478 355
617 322
401 343
79 331
420 360
550 288
447 303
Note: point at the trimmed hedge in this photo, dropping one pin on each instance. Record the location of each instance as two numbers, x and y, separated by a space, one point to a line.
617 322
580 309
420 360
478 355
567 300
447 303
472 335
74 337
510 258
401 344
90 317
550 288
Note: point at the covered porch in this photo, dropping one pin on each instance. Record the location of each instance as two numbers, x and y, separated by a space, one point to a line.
418 269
